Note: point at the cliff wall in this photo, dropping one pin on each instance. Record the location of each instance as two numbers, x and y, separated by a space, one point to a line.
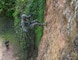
60 32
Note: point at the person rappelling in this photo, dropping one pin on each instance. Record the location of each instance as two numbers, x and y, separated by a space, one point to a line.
27 24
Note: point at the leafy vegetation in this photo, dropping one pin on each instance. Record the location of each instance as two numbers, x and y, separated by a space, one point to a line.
36 9
7 7
13 9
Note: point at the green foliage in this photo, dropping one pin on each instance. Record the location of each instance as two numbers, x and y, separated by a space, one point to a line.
14 8
1 5
7 7
36 9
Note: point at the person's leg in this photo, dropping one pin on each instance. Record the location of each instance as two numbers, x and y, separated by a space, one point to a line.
38 24
34 21
35 24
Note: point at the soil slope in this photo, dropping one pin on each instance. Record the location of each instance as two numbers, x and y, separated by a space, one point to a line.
6 54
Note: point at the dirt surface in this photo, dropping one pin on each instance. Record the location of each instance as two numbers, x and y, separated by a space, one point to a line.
6 54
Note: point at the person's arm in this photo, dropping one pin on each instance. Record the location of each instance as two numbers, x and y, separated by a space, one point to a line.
28 16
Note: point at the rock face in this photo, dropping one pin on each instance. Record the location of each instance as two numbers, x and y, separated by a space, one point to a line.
60 32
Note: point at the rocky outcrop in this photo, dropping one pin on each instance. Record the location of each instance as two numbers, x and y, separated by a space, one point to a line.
60 32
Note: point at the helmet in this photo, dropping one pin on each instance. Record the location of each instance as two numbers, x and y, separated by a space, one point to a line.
23 15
